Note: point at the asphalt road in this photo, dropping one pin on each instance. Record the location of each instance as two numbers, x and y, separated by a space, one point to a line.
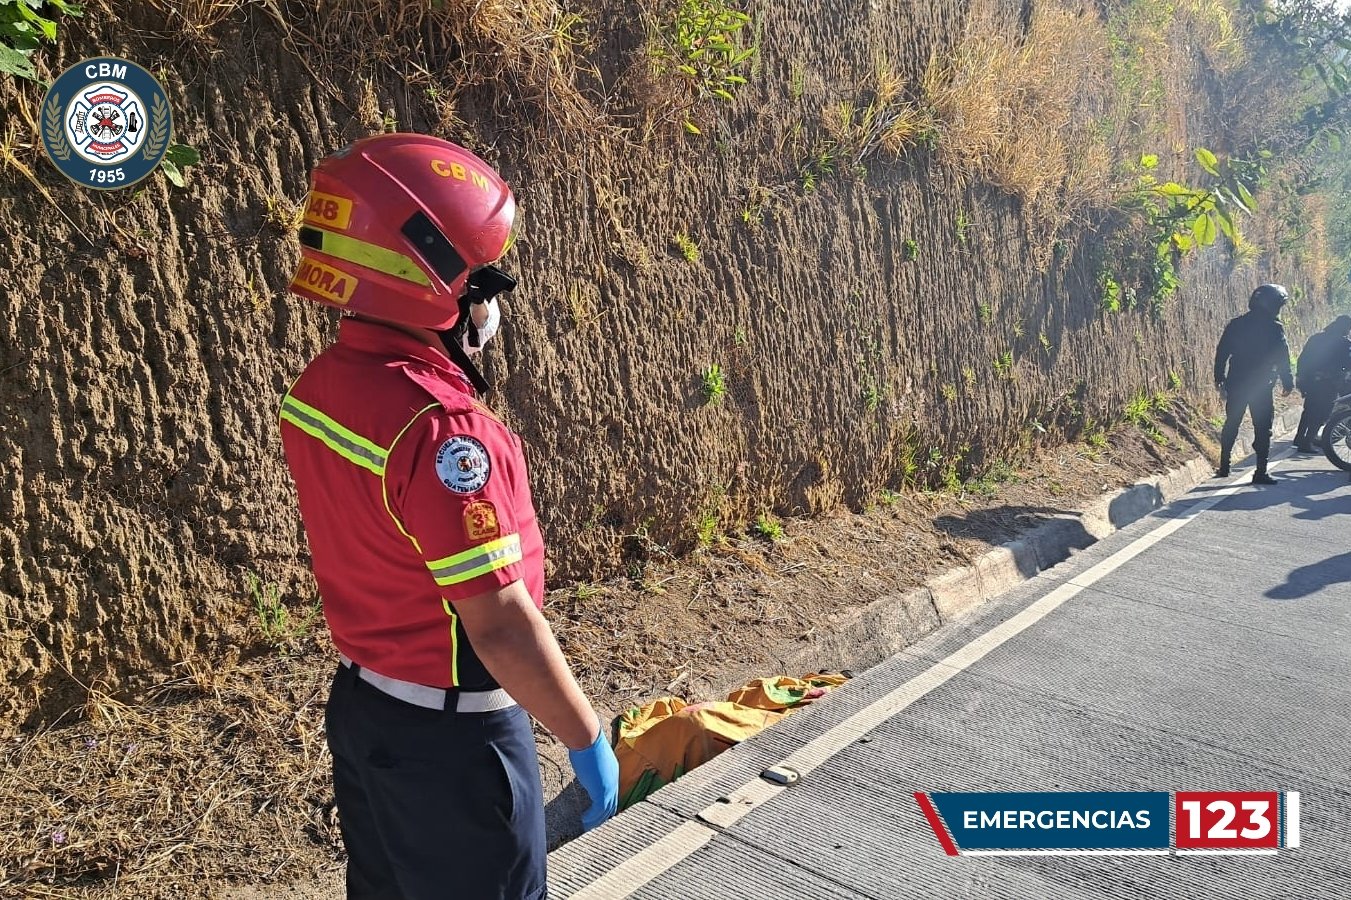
1203 647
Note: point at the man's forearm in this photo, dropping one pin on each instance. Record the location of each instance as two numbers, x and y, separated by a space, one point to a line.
525 659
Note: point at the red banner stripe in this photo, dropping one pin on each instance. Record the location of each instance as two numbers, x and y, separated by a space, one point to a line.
936 823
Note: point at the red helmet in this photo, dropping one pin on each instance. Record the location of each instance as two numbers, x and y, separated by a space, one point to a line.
401 227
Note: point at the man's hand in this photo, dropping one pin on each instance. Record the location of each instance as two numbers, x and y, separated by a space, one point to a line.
598 771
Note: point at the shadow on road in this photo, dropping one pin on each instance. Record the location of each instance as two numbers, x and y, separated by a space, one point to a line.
1313 578
1303 489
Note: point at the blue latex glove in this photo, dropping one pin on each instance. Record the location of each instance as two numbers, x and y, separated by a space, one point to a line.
598 771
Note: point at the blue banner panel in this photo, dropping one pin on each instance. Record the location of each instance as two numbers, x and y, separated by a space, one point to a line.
1069 820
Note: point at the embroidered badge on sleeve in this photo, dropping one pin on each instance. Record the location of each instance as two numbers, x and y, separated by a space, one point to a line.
463 464
480 522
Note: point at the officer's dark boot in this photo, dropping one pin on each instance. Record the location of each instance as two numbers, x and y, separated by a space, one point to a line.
1261 476
1223 470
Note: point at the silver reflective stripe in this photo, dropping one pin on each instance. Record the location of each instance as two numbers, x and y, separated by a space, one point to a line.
430 697
483 701
345 443
490 558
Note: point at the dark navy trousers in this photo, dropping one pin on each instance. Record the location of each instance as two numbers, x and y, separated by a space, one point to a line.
435 805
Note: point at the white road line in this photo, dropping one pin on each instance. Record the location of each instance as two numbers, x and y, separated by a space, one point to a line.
644 866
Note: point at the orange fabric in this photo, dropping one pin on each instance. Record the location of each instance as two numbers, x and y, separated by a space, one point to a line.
784 692
658 742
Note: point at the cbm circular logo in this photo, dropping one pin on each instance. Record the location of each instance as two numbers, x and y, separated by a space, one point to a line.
106 123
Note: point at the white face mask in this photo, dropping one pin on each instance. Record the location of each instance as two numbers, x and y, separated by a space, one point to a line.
487 317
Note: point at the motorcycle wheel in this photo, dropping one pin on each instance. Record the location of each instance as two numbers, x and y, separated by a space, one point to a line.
1337 440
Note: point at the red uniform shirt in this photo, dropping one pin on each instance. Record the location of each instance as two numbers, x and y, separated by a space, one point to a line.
414 498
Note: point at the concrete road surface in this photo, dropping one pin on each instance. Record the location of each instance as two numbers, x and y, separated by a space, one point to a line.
1204 647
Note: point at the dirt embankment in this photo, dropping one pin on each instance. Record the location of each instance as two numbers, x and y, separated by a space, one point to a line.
877 322
868 327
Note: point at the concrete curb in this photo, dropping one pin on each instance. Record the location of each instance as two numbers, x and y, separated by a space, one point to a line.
889 624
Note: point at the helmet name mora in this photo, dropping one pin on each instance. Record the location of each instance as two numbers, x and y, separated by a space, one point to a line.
326 281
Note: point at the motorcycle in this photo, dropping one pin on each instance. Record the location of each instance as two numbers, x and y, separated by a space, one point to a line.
1337 433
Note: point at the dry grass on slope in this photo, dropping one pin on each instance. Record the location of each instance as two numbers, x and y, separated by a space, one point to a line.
1020 112
534 48
1055 112
222 773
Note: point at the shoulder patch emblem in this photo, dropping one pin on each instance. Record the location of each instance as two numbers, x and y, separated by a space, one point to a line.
463 464
480 521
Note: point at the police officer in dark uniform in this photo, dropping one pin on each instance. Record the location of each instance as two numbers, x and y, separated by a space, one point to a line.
1323 364
1251 356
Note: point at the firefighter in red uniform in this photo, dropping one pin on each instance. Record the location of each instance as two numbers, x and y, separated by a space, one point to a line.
423 536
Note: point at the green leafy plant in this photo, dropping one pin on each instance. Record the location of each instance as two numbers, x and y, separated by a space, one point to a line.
961 226
1182 218
176 161
714 383
949 392
908 466
987 484
820 164
1110 296
282 215
585 591
797 81
706 529
758 201
952 480
701 43
1174 381
872 396
984 312
24 25
888 497
1003 364
910 250
1138 409
687 247
279 627
768 527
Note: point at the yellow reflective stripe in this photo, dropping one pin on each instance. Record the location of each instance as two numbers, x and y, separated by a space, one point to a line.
346 443
476 561
373 256
384 485
454 646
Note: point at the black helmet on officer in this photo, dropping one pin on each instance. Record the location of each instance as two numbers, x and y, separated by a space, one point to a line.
1269 298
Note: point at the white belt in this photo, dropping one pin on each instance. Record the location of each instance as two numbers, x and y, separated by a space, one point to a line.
430 697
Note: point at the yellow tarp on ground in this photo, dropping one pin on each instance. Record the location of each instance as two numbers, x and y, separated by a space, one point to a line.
658 742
